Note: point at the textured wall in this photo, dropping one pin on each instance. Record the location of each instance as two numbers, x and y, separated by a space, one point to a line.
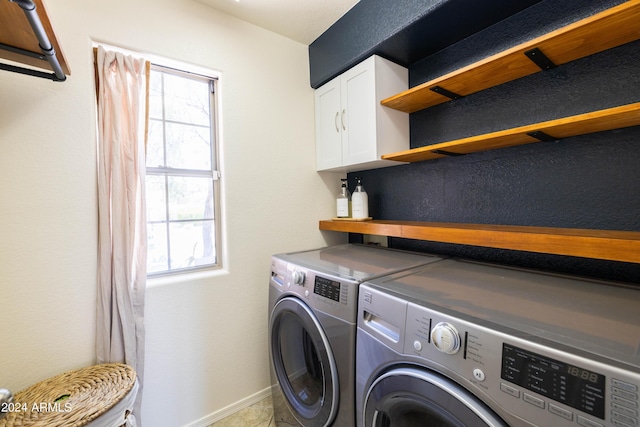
590 181
403 31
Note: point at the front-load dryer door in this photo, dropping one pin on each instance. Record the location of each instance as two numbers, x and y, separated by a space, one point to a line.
410 397
303 363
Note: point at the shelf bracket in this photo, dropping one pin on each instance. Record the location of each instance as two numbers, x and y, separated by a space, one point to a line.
446 153
444 92
544 137
540 59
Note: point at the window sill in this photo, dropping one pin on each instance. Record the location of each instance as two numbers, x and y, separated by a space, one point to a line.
186 277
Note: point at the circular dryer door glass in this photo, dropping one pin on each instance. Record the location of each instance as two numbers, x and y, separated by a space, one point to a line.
303 363
409 397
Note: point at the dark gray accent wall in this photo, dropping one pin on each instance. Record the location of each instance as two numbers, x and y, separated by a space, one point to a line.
590 181
403 31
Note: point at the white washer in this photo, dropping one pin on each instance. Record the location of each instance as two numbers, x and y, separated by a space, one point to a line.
313 298
459 343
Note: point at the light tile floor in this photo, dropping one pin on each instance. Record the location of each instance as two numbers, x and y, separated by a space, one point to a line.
257 415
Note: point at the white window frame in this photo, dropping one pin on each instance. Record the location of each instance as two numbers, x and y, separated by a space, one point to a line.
214 174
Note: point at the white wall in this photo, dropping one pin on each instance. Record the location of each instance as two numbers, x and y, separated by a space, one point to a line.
206 337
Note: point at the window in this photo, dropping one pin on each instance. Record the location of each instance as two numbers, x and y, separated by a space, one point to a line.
182 175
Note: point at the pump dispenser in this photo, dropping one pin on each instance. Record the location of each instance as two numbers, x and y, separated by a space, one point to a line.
359 202
343 201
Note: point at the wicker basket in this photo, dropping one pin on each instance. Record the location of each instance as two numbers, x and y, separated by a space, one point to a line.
72 399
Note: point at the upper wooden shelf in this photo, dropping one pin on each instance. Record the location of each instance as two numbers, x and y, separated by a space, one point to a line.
621 246
608 29
597 121
16 32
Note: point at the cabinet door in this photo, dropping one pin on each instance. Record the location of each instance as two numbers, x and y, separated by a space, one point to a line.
328 126
358 114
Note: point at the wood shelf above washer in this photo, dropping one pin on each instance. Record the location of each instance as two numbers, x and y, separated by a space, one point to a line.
596 121
621 246
608 29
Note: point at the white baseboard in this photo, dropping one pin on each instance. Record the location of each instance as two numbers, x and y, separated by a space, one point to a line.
231 409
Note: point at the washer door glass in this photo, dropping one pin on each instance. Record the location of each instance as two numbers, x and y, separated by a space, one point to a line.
409 397
303 363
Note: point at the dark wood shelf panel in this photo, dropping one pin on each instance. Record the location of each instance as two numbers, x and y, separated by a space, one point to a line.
16 31
596 121
605 30
621 246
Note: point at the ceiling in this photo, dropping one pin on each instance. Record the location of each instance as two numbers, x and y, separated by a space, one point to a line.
299 20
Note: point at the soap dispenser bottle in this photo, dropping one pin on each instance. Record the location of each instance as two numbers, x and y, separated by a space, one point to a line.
343 201
359 201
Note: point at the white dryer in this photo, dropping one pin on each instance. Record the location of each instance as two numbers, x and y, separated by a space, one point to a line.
459 343
313 298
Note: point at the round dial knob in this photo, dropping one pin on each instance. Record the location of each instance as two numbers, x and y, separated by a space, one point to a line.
445 337
298 277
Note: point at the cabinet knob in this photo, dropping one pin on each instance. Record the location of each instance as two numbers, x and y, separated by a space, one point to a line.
335 121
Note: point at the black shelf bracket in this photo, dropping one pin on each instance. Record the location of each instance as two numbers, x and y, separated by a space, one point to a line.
447 153
444 92
540 59
544 137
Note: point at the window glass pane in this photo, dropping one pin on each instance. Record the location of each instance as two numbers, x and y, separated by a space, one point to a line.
155 145
188 147
156 198
180 191
192 244
155 95
186 100
190 198
157 248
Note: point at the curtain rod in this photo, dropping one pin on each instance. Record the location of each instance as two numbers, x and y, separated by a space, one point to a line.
29 8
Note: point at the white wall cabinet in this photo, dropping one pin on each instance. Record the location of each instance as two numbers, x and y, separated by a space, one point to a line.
352 129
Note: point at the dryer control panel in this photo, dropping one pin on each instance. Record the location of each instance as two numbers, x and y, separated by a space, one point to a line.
325 292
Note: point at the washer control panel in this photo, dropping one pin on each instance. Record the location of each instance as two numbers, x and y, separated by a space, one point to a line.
532 381
553 379
511 371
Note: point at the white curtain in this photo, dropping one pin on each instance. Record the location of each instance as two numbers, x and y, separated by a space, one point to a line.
121 84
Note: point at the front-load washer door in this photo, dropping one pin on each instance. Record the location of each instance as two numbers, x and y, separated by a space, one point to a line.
410 397
303 363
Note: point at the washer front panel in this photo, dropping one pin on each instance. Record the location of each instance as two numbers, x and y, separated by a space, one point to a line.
511 372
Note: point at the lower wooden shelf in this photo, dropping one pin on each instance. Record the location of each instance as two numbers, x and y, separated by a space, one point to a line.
596 121
611 245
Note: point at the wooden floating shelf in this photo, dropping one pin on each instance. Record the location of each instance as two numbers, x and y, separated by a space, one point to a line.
608 29
597 121
621 246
